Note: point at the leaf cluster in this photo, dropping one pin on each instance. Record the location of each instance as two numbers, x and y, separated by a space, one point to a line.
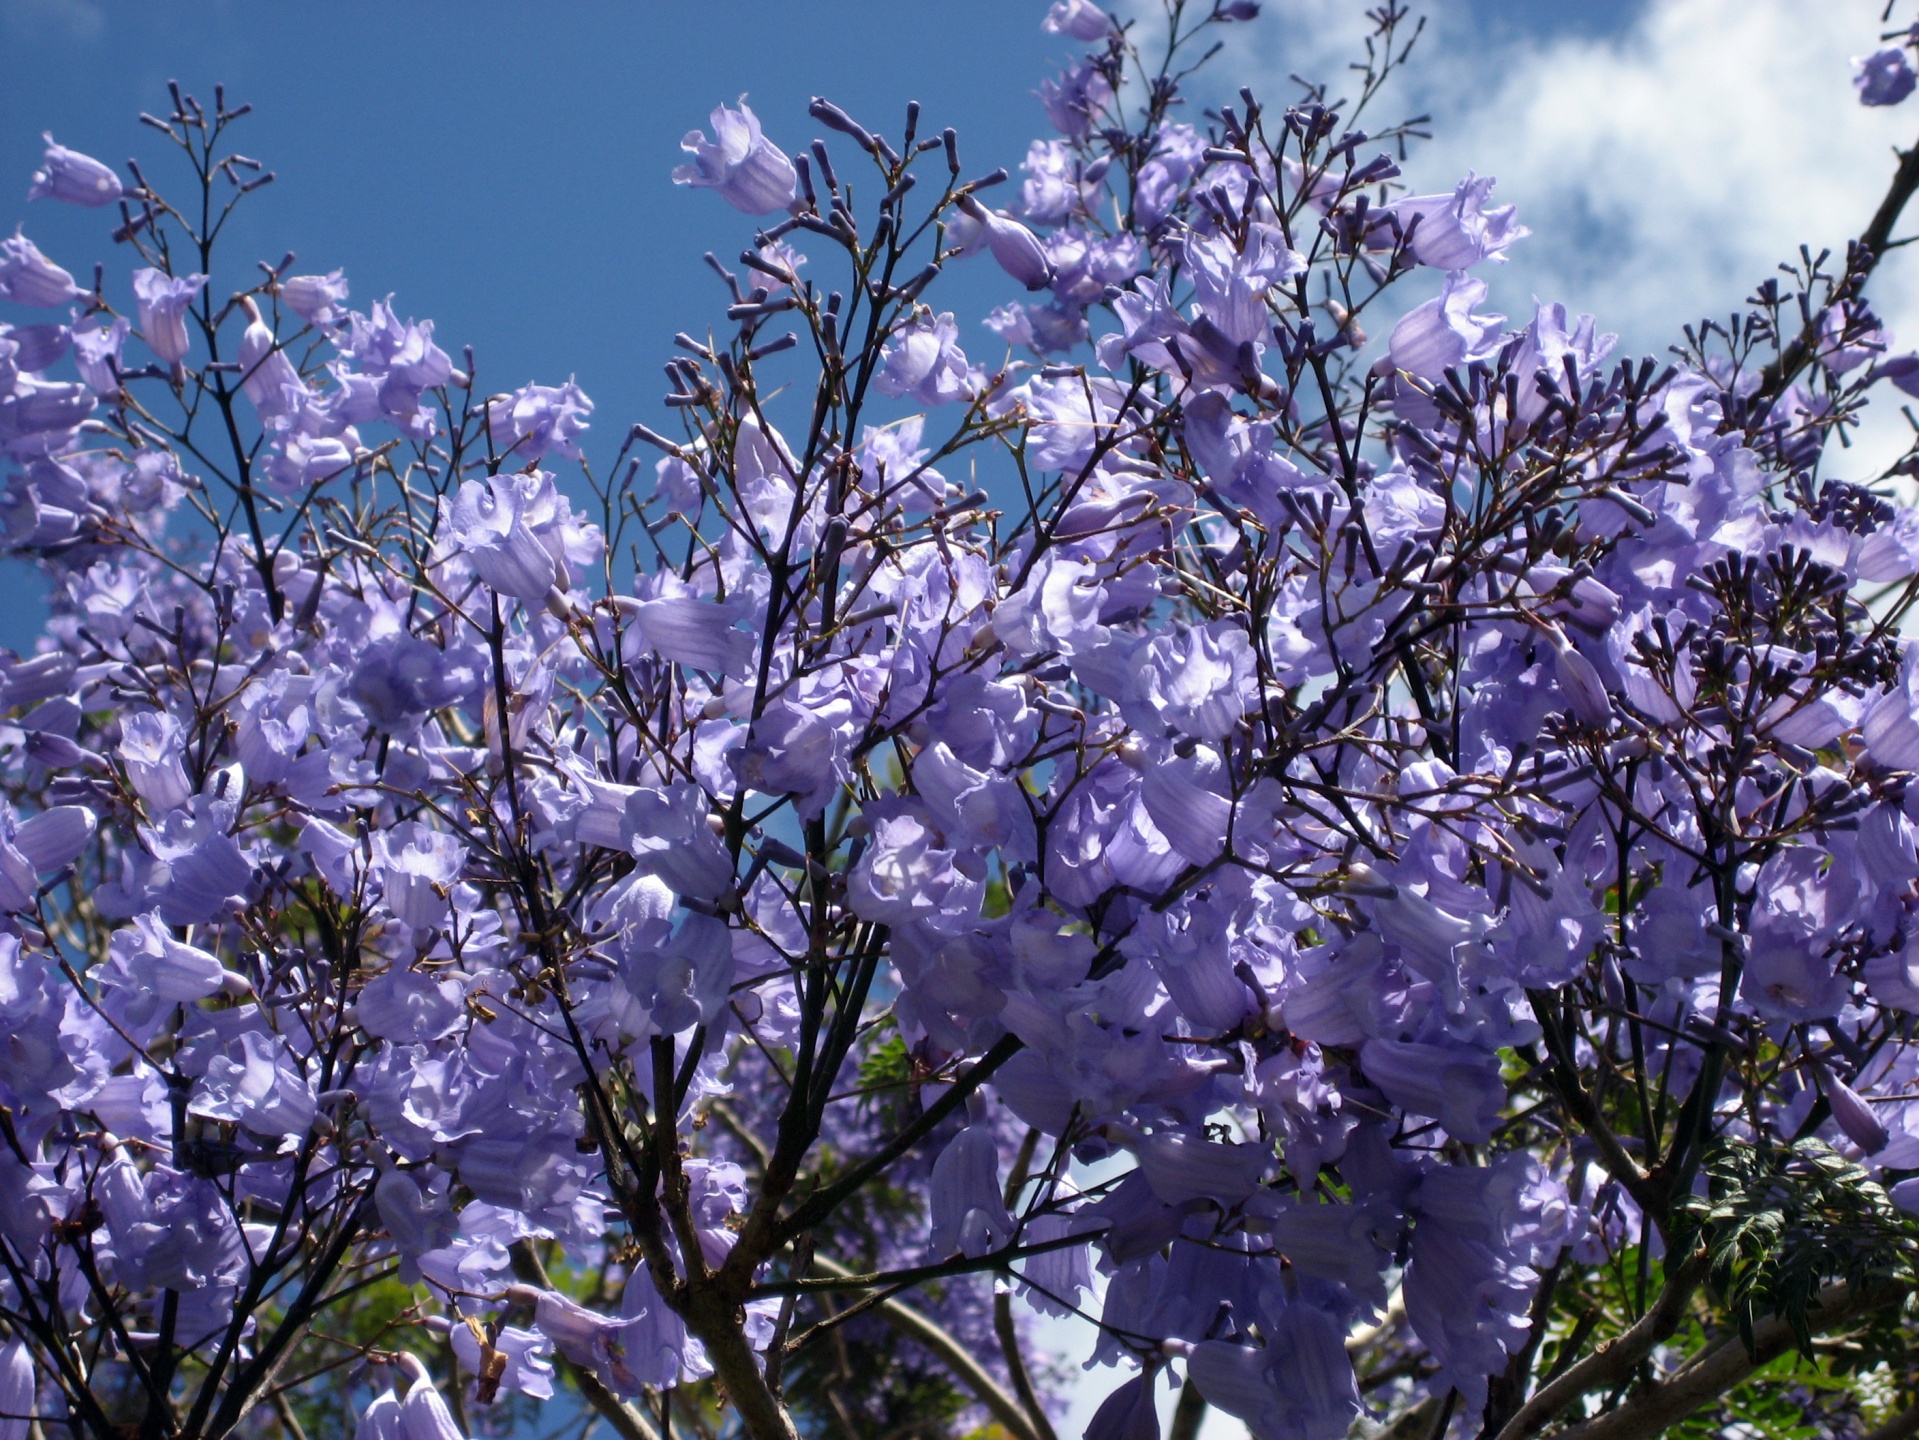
1779 1224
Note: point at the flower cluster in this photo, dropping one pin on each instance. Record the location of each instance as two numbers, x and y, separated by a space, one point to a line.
1307 856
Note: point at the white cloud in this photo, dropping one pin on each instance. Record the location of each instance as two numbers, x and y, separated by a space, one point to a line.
1667 171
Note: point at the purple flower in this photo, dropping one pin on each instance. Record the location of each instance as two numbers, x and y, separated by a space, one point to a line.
266 374
666 830
16 1390
381 1418
1884 77
152 970
415 1221
1197 683
1298 1386
38 846
163 301
1853 1115
1579 682
923 359
1177 153
96 353
256 1082
152 748
419 866
1077 19
28 278
1181 1169
38 347
316 299
1444 332
1011 322
969 1214
199 871
797 747
1548 345
694 630
1230 280
590 1340
394 362
1803 901
1457 231
524 1355
1439 335
1053 189
1129 1413
302 460
519 534
536 419
1457 1086
654 1337
1075 98
424 1416
1056 1278
750 172
75 178
908 870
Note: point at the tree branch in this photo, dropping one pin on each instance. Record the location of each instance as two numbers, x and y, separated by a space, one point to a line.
1723 1367
955 1356
1189 1414
1874 242
1613 1362
1902 1426
1009 1350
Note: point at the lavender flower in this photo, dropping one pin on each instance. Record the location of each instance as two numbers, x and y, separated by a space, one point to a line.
163 302
316 299
77 179
924 361
28 278
1458 231
1261 773
1079 19
750 172
1884 77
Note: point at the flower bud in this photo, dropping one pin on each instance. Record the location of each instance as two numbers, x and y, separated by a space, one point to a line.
1853 1115
1015 247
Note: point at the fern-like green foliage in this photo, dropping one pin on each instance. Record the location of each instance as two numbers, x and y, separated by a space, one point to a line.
1780 1224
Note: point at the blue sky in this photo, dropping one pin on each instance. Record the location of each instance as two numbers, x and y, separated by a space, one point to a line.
504 168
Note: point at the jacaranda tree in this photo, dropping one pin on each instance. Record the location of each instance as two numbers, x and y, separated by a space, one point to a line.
1378 872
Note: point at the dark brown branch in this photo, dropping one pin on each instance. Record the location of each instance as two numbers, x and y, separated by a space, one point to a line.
956 1357
1008 1335
1189 1414
1725 1366
1614 1362
1871 247
1901 1427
